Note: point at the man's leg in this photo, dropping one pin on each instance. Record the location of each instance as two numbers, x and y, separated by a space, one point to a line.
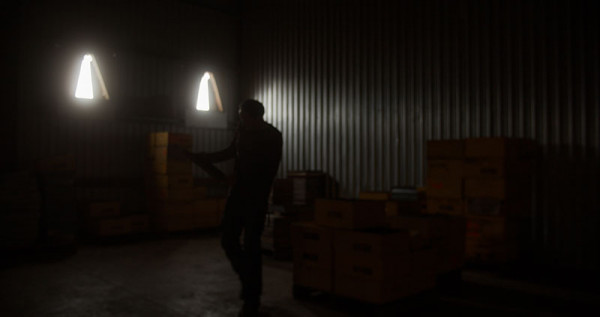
252 255
233 222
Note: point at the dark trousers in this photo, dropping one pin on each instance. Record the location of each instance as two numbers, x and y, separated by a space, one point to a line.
245 214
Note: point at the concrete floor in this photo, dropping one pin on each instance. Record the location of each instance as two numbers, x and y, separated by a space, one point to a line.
188 275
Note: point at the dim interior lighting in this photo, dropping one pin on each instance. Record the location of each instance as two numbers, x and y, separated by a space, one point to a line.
203 101
85 88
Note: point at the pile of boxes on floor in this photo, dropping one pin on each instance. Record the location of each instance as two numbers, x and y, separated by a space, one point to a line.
293 200
373 251
489 181
173 202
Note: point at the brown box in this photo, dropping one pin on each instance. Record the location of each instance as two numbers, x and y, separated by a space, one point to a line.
485 231
430 227
177 181
104 209
177 195
445 169
497 168
445 187
374 196
498 188
372 290
171 167
376 267
499 147
455 207
445 149
372 249
313 256
350 213
498 207
169 153
183 140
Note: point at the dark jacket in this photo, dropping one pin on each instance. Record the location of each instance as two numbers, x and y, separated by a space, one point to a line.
257 154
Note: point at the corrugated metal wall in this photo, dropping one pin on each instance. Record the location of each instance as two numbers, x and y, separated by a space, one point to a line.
152 55
357 87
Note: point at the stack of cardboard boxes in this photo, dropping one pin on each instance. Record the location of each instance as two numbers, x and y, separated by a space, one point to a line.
104 219
350 251
445 182
488 181
175 204
498 188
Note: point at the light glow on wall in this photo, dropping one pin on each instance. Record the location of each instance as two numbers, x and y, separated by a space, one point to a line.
203 102
84 88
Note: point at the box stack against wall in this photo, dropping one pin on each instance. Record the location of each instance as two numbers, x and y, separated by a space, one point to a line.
445 182
20 215
293 199
498 190
175 204
104 219
60 222
350 252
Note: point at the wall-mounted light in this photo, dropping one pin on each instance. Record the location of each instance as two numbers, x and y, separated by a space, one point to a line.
85 88
203 101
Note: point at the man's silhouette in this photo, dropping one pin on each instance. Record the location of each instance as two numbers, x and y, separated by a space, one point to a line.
256 149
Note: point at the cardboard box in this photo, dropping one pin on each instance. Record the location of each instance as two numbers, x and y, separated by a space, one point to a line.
518 189
376 291
445 187
444 169
169 153
313 256
374 196
498 207
350 213
171 167
491 254
455 207
499 147
177 195
497 168
164 139
104 209
485 231
175 181
375 250
430 227
445 149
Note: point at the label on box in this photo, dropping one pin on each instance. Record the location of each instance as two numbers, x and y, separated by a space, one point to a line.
350 213
445 169
445 187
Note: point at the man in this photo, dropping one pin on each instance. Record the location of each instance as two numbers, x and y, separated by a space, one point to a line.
257 152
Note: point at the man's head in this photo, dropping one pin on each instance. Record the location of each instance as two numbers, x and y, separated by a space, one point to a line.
251 112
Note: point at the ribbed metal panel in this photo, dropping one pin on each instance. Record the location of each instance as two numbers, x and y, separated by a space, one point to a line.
107 148
357 87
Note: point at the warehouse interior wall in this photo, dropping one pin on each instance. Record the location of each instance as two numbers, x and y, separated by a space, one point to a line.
152 55
358 87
